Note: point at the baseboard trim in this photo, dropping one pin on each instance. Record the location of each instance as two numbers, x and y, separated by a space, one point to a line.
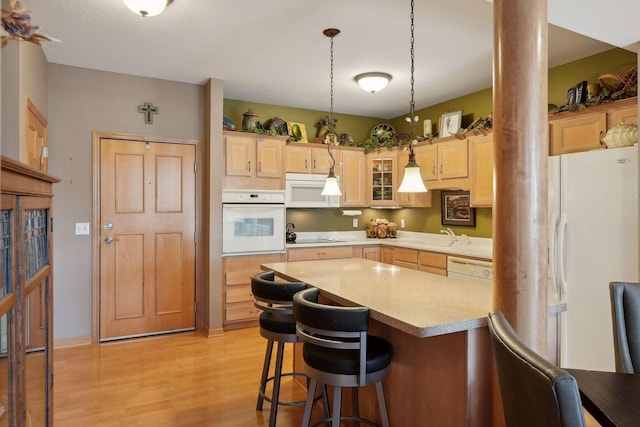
72 342
211 333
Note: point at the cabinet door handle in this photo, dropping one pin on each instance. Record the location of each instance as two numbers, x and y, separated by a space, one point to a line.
441 169
249 165
259 166
306 164
434 169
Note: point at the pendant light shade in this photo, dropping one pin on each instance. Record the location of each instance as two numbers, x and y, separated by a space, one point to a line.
412 180
147 7
331 187
373 82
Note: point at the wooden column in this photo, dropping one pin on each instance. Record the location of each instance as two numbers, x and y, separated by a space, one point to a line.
521 139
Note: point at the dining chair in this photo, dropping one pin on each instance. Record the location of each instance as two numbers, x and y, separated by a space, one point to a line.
534 391
625 313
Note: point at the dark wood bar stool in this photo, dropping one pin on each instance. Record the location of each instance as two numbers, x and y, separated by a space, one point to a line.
277 325
338 351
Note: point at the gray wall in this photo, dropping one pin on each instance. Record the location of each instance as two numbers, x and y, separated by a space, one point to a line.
82 101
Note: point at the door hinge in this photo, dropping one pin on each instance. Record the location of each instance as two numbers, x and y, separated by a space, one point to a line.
51 224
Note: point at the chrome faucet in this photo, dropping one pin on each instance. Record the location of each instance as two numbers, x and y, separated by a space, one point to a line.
450 233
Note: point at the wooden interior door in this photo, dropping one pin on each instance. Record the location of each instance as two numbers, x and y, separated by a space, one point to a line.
36 138
147 249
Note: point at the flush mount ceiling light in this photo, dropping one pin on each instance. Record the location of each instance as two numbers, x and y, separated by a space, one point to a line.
331 187
147 7
373 82
412 181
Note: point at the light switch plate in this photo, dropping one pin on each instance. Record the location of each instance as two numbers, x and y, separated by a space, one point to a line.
355 222
82 228
402 223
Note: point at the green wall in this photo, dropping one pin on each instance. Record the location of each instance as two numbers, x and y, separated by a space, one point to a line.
357 126
473 106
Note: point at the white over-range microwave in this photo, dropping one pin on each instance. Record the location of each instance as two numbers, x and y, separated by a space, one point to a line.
305 191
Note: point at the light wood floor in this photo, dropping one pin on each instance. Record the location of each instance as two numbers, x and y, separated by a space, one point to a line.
173 380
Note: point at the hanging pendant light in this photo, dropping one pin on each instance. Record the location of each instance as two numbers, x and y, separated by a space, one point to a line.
412 181
331 187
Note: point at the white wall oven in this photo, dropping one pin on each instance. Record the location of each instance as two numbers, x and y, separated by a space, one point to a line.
253 222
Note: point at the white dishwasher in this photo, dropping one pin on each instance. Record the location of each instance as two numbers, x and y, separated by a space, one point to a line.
470 269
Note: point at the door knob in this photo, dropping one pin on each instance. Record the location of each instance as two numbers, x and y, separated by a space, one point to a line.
108 225
108 240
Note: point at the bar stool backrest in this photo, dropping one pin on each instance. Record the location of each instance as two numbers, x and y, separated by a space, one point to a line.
332 326
272 296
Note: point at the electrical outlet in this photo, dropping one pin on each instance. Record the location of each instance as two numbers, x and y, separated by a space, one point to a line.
355 222
82 228
402 223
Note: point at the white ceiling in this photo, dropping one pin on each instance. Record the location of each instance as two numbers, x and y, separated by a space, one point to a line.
274 52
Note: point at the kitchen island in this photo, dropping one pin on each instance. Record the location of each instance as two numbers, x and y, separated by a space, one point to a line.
442 367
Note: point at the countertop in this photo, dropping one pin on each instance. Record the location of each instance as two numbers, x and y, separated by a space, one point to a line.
464 246
418 303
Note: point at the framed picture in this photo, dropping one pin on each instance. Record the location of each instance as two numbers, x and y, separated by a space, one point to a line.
457 210
427 128
297 131
450 123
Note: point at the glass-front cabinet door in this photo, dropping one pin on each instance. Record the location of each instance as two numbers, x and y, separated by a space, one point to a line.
35 268
383 176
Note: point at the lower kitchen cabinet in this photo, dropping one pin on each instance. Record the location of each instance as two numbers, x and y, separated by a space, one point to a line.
386 254
432 262
407 258
237 298
321 252
372 253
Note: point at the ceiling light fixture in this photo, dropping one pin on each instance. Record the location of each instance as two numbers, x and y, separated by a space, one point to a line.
373 82
331 187
412 181
147 7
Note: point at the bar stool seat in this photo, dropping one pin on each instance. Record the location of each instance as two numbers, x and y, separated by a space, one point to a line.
338 351
277 325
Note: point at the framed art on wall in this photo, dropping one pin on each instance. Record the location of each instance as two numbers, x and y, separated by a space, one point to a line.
298 131
456 209
450 123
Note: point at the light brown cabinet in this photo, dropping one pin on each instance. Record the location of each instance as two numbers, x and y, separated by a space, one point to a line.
386 254
481 170
382 178
445 164
407 258
254 161
432 262
26 296
310 158
321 252
372 253
352 178
237 298
572 132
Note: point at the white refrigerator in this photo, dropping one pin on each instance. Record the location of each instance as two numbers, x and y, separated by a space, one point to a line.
593 240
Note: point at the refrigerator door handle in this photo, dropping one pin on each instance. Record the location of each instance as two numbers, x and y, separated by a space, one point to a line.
562 245
553 255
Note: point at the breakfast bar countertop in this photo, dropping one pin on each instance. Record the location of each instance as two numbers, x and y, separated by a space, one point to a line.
418 303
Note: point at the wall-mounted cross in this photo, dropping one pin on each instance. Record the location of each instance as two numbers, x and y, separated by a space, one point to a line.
148 109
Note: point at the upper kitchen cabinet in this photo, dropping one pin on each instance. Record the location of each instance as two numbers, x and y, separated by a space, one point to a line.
414 200
309 158
382 178
571 132
481 170
254 161
352 177
445 164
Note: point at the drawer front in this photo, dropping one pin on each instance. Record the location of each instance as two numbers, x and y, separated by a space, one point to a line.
406 255
240 293
432 270
433 259
307 254
410 265
240 311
